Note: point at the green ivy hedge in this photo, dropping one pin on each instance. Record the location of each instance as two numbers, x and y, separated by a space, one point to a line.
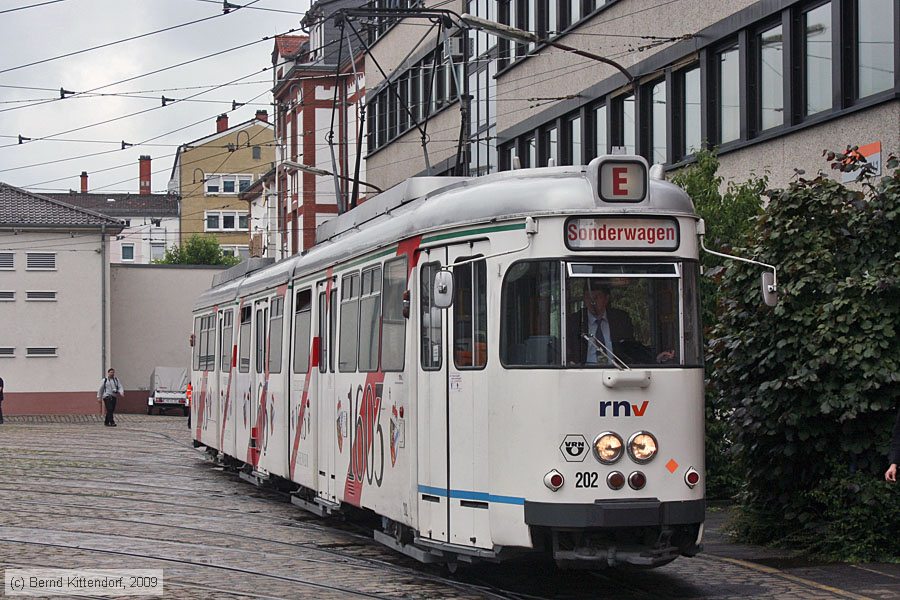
810 387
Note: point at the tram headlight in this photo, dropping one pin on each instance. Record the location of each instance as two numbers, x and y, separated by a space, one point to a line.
608 447
642 447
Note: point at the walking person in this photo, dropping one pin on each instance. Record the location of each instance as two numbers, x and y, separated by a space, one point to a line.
110 388
1 401
891 473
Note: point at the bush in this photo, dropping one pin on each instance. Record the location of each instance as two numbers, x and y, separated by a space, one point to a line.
811 385
729 219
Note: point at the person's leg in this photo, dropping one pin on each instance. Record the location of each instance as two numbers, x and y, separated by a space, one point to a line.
112 410
107 403
1 411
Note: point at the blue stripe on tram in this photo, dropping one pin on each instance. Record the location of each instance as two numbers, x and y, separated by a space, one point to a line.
467 495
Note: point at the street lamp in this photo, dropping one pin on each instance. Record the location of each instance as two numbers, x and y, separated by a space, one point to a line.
295 166
520 35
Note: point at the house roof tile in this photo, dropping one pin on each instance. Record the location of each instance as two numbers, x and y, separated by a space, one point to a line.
122 205
21 208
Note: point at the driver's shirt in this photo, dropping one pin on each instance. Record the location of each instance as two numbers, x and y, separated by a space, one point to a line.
604 338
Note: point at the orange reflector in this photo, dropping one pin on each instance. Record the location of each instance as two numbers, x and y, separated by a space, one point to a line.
671 465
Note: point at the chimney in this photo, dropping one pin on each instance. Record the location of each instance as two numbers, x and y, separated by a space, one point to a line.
221 122
84 186
144 177
262 115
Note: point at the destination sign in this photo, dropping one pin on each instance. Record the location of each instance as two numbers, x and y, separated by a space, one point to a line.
605 233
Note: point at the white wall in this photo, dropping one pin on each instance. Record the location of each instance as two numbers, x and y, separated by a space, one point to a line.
151 317
72 323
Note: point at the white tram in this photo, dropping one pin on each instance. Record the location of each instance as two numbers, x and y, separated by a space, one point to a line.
440 358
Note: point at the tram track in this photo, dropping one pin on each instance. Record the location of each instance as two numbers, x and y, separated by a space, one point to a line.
350 560
204 565
169 582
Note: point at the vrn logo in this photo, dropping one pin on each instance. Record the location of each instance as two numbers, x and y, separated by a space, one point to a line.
623 408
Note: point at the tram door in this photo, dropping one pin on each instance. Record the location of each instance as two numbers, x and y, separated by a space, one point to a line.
258 369
327 427
223 373
452 382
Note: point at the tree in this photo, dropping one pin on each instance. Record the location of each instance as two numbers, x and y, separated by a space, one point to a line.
812 384
198 250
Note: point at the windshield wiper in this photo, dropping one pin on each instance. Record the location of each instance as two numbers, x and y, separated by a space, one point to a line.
618 362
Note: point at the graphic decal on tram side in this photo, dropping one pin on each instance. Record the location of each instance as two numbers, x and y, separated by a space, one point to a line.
365 404
302 419
227 396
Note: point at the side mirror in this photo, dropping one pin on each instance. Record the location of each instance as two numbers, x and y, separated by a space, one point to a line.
443 289
769 291
406 304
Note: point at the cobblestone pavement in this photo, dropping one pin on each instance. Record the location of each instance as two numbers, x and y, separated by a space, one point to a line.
74 494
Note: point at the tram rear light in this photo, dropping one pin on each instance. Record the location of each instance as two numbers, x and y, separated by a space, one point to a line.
554 480
615 480
637 480
691 477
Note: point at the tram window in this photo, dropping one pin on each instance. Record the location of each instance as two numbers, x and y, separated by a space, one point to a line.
323 332
276 334
470 315
349 349
207 345
302 318
260 340
530 315
630 310
244 345
196 348
431 319
370 320
225 339
393 327
693 340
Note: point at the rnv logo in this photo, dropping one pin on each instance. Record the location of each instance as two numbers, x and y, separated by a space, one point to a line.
623 408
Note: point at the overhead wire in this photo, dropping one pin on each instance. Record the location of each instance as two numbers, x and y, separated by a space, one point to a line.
121 41
9 10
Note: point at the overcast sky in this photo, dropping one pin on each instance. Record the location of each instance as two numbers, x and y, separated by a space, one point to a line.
65 26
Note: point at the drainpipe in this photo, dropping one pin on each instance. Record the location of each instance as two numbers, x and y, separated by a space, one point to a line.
103 297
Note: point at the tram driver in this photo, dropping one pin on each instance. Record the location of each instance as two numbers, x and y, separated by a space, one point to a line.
600 334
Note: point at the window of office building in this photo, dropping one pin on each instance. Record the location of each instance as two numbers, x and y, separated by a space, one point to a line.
771 78
601 137
729 95
875 46
658 152
572 155
691 128
551 146
817 33
624 124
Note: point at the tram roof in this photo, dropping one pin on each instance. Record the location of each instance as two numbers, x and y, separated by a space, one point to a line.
425 205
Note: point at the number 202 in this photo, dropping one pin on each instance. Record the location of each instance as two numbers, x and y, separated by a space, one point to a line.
586 479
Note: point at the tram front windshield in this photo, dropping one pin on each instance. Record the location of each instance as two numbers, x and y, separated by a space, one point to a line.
584 315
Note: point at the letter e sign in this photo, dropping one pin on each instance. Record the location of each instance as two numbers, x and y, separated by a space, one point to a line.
622 181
